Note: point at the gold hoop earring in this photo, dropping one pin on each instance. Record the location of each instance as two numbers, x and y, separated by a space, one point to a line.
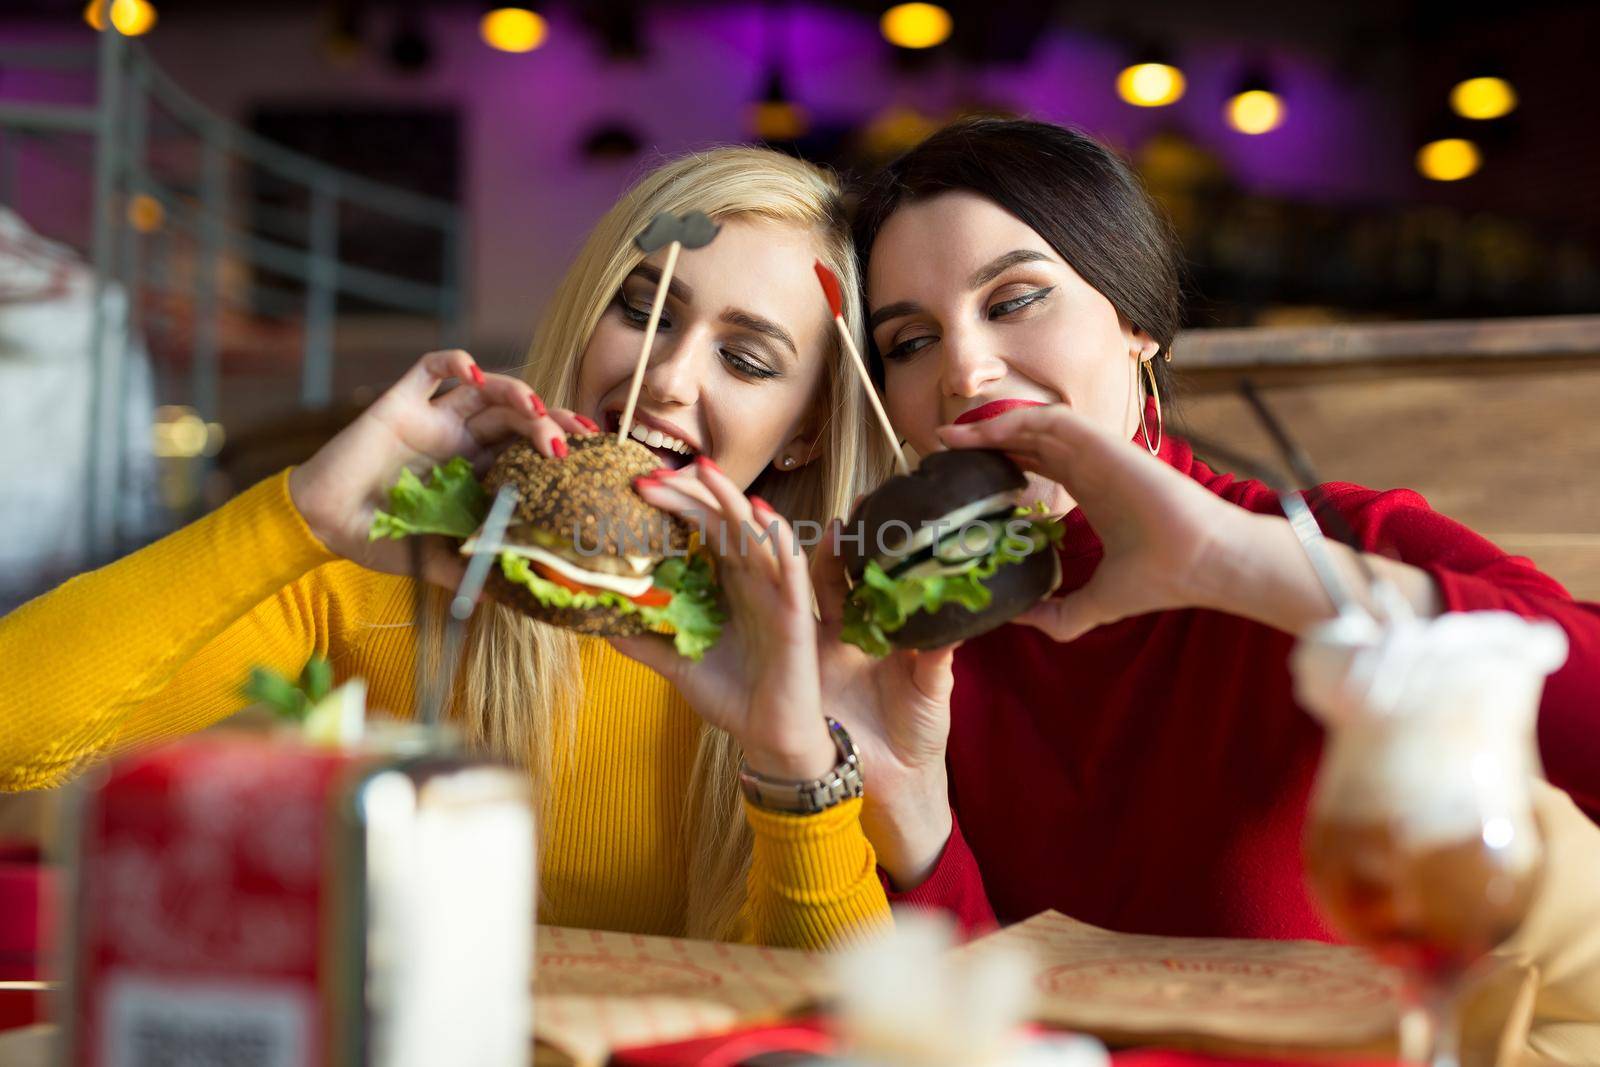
1155 393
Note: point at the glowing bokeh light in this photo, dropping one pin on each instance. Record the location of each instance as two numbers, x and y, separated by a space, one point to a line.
1255 111
1150 84
513 29
1483 98
132 17
1449 159
916 25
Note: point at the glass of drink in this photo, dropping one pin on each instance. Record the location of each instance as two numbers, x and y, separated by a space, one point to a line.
1421 842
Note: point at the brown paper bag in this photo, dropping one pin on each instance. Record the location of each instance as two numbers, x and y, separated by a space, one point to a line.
1537 1005
1208 994
1536 1002
596 991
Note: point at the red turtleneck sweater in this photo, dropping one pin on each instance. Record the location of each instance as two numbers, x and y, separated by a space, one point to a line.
1152 775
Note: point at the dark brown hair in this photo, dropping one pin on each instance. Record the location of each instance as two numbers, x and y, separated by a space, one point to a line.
1070 189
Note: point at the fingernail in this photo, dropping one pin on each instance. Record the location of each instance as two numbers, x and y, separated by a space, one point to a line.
705 461
536 404
761 505
558 448
645 480
477 374
587 423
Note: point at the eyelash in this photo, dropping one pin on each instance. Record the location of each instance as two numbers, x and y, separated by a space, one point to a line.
996 311
1018 303
738 361
637 316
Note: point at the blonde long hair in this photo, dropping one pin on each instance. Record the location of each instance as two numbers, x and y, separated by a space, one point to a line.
520 683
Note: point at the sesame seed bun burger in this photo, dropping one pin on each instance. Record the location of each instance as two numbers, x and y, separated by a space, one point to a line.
582 549
945 553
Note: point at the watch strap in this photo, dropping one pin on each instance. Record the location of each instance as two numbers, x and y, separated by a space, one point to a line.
808 796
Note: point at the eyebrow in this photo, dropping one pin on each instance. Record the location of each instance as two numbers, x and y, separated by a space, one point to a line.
756 324
998 266
892 311
980 277
678 289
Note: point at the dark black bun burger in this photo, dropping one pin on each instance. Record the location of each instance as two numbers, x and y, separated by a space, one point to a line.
945 553
582 550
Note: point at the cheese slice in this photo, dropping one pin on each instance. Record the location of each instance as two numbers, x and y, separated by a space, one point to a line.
922 537
928 568
616 583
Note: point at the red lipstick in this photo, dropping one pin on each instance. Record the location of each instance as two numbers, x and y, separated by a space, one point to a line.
993 408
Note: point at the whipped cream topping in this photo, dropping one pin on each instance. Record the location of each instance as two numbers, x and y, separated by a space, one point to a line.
1432 722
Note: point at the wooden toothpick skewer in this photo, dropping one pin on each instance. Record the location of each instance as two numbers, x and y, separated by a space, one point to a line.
835 294
649 339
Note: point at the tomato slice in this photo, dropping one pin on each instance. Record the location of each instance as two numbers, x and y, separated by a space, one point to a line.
550 574
653 597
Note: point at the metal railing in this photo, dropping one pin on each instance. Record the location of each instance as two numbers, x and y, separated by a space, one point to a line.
214 211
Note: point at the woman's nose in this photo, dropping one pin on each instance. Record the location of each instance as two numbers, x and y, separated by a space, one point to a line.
673 375
970 363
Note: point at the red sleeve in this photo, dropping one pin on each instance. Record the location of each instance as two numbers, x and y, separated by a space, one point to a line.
954 887
1472 574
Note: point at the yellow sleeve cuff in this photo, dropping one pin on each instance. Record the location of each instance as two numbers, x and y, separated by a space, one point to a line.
813 878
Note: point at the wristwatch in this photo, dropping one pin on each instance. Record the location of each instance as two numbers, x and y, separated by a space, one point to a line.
813 795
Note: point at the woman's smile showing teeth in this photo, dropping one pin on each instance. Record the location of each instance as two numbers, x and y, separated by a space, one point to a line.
673 451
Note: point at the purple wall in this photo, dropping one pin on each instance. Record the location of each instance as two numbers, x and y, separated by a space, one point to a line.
532 196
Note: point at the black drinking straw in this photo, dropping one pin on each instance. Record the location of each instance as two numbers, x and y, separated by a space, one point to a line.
1300 464
1383 592
1301 520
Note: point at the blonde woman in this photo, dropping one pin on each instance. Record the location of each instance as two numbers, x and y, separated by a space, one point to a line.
643 825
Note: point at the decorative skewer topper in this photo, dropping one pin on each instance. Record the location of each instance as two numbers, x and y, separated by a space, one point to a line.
835 294
674 233
926 590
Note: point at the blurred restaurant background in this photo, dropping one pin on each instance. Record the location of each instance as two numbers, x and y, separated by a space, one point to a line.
227 225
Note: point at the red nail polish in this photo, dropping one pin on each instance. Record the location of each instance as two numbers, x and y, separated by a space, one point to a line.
536 404
477 374
761 505
587 423
705 461
558 447
644 480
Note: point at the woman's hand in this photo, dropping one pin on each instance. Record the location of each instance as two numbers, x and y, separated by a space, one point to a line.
1169 542
1162 532
338 489
897 710
759 682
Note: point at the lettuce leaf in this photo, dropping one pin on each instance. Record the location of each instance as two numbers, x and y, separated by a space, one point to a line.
692 615
880 603
288 698
452 503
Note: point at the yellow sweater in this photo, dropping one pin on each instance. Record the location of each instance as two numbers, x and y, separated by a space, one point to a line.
157 645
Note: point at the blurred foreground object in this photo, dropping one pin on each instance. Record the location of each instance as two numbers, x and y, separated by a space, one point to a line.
46 383
245 898
904 999
1422 842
